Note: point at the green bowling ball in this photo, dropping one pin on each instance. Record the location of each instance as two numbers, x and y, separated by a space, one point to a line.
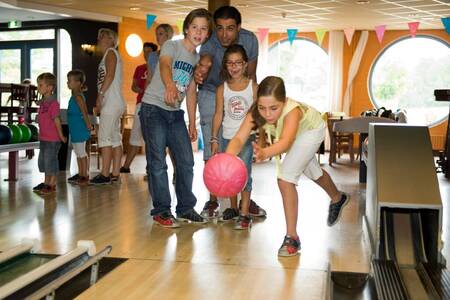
34 132
26 133
16 133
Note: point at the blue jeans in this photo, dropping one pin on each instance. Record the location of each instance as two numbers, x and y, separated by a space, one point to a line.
160 129
246 155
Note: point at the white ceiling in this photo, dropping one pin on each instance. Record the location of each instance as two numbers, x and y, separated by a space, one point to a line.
277 15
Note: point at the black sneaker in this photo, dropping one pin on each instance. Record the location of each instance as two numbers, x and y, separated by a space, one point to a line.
191 216
230 214
100 179
124 170
211 209
39 187
74 178
290 247
335 209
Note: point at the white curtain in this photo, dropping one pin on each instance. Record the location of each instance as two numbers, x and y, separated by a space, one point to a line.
263 59
335 53
353 70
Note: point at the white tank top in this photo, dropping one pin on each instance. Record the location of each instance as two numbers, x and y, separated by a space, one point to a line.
113 101
235 104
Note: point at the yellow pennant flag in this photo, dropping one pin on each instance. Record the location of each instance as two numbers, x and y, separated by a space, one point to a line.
320 34
180 26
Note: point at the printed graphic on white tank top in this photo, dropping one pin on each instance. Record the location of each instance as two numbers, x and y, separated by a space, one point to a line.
237 108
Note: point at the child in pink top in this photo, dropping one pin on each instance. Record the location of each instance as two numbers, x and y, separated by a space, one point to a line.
50 133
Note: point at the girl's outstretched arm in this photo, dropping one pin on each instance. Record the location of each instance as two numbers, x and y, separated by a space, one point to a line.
217 120
238 141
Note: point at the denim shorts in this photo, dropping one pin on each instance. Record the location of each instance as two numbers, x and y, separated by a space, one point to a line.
246 155
48 157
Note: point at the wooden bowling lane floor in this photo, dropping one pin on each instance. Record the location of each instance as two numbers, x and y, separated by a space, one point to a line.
202 261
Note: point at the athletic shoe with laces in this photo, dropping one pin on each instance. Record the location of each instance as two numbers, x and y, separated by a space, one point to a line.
74 178
166 219
191 216
229 214
39 187
290 246
335 209
211 209
243 222
255 210
100 179
47 190
124 170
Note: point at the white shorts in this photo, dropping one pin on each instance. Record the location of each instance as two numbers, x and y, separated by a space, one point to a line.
79 149
136 131
109 130
301 158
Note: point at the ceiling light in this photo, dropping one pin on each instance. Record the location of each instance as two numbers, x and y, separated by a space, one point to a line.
413 15
241 5
169 0
362 2
134 8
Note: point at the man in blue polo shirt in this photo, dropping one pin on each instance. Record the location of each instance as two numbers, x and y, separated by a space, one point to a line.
227 32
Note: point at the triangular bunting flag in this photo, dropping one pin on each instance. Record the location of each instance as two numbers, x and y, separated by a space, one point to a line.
291 35
180 26
413 28
349 34
379 30
446 22
319 35
262 33
150 20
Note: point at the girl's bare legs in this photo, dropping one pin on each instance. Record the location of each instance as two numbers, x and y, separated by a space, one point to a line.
290 204
245 202
116 160
327 184
106 160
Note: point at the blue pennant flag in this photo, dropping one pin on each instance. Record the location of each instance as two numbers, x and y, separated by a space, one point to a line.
291 35
446 22
150 20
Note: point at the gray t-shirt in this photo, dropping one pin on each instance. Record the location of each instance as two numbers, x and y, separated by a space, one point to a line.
183 63
213 47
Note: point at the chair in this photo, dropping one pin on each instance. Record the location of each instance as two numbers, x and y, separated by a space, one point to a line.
339 141
92 143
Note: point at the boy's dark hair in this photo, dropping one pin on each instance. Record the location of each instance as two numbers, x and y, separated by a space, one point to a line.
167 28
270 86
198 13
79 76
228 12
150 45
48 78
235 48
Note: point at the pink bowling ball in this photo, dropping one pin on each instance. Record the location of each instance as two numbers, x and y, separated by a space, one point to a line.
225 175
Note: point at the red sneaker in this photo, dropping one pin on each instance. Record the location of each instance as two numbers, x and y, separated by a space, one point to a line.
166 220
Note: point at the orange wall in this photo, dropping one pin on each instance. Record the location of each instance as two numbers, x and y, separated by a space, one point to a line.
127 27
361 100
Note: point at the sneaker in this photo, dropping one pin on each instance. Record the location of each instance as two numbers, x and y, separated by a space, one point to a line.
74 178
290 246
230 214
114 178
124 170
100 179
192 217
83 180
335 209
47 190
211 209
166 219
39 187
255 210
243 222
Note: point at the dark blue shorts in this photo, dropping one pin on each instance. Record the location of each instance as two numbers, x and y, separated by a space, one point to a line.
48 157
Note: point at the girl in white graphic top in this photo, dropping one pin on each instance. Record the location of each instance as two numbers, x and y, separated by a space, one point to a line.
233 99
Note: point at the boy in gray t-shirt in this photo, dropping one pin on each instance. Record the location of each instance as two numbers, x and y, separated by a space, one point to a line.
163 123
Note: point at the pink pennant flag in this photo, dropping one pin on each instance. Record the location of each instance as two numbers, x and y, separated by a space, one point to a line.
349 34
413 28
262 33
180 26
379 30
320 35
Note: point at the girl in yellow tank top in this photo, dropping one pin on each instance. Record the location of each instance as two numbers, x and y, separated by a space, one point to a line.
297 130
